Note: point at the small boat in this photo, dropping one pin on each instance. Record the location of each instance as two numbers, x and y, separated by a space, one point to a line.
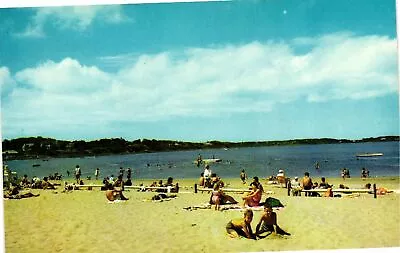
369 154
212 160
208 161
36 165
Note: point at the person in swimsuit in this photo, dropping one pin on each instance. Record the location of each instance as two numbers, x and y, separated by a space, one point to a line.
254 197
306 183
241 227
112 195
267 222
218 197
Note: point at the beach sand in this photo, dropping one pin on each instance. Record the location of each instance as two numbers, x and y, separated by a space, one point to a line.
84 221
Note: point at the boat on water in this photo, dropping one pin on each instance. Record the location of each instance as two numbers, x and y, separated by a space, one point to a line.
369 154
212 160
36 165
208 161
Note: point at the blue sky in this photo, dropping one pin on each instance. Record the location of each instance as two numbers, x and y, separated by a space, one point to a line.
232 71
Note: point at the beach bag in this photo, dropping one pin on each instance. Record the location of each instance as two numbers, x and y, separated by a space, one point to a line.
273 202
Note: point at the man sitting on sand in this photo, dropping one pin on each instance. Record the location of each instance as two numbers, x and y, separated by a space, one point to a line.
241 227
267 222
113 195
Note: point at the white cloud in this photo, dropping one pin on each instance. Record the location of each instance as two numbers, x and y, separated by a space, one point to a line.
254 77
72 17
66 76
7 83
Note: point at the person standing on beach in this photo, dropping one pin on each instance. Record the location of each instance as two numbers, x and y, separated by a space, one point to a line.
78 173
243 176
129 173
199 160
97 173
207 176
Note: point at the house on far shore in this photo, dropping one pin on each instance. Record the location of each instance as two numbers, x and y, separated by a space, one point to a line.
10 152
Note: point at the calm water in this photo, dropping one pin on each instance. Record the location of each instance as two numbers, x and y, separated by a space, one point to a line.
259 161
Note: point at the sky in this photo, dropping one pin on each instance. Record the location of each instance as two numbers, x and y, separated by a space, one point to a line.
199 71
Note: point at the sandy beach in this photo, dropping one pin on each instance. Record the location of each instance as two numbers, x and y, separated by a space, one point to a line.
84 221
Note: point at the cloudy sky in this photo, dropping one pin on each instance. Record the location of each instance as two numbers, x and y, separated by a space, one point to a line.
232 71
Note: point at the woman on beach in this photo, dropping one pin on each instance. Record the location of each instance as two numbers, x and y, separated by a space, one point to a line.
254 197
241 227
218 197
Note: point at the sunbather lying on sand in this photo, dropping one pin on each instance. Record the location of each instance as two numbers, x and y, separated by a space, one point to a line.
267 222
112 195
14 193
162 196
241 227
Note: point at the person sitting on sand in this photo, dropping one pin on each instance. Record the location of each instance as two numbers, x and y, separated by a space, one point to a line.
258 184
254 197
314 194
324 184
170 185
306 183
218 197
201 179
328 193
119 183
128 182
379 191
113 195
241 227
160 184
267 222
47 185
25 182
296 187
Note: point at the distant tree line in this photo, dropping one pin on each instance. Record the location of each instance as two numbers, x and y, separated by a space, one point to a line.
40 147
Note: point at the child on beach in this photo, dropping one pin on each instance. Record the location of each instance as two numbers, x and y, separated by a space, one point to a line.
267 222
241 227
218 197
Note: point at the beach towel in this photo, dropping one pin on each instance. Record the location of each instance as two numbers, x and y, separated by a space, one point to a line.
235 207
